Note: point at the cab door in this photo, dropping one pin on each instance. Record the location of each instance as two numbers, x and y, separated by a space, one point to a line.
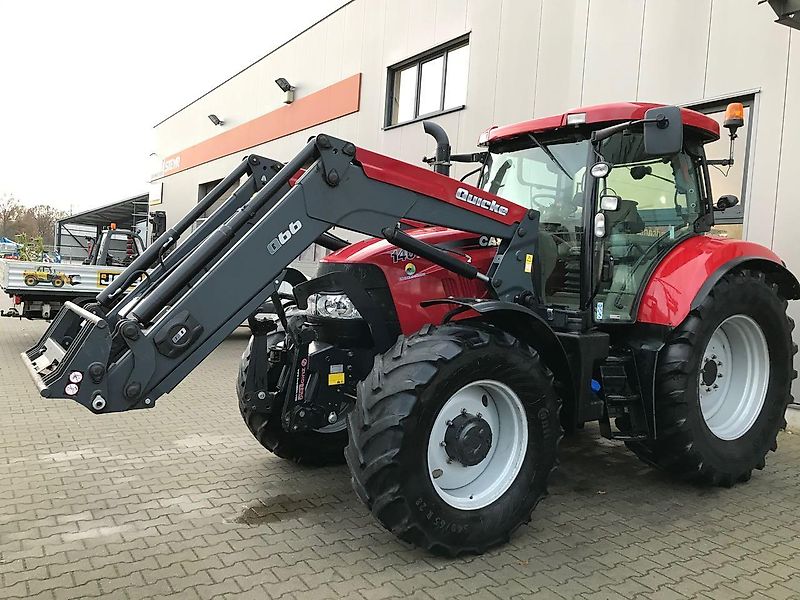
659 202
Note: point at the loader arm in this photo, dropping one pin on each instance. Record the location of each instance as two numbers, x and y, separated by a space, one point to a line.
130 349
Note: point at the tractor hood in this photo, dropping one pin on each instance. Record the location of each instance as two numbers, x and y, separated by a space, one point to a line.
412 279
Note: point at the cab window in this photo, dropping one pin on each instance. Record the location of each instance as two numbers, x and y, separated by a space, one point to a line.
659 202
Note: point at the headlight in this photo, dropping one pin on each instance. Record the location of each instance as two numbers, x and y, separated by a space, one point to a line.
332 306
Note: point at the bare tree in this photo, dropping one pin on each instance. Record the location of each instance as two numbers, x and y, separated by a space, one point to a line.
10 211
43 219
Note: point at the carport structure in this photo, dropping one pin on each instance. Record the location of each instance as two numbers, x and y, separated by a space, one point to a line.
72 232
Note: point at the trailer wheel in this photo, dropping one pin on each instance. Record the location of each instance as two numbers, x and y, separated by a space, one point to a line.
723 383
453 437
314 448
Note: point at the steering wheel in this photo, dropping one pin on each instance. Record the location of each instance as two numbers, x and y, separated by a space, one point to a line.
540 206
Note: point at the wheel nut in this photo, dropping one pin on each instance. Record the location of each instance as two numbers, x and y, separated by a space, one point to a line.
332 418
261 395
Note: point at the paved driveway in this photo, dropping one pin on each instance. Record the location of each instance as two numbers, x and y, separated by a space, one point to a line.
180 501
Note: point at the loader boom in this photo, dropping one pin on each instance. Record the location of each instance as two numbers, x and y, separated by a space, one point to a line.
131 348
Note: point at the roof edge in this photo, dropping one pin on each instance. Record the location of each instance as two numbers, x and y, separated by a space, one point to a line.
252 64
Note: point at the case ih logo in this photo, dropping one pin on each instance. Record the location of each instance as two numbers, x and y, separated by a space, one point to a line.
491 205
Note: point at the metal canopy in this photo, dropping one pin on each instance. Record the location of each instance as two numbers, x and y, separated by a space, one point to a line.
125 213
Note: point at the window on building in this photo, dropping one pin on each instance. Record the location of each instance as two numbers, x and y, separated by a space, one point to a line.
733 179
202 191
429 83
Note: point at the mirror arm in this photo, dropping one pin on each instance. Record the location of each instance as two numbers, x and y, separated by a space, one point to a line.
725 162
602 134
471 157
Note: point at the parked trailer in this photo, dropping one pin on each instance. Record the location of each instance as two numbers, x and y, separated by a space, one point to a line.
39 289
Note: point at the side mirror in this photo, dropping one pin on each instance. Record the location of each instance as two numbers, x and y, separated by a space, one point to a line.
663 131
727 201
610 202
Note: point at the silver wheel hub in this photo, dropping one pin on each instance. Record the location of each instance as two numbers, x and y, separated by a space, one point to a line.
477 444
734 376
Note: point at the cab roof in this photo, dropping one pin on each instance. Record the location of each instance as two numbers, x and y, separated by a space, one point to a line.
605 114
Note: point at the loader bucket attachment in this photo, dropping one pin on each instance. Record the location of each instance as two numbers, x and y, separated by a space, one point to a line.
75 337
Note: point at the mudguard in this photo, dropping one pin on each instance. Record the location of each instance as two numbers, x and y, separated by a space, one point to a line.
687 273
570 356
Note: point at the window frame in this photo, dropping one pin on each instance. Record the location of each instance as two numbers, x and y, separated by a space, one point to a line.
736 215
442 50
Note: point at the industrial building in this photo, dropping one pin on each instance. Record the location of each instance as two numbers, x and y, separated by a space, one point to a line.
373 69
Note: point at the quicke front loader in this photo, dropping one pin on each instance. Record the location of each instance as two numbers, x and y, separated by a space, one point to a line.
444 356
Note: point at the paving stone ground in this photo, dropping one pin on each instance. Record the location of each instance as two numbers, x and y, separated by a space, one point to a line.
181 502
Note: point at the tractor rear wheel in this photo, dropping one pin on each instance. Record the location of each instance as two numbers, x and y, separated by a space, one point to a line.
453 437
723 383
31 280
314 448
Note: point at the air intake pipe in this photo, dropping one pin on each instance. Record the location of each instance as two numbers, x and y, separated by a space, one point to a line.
442 162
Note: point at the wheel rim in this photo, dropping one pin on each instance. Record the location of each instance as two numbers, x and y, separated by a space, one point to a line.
478 406
734 375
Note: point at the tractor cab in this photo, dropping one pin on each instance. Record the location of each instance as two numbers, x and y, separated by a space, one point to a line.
114 247
641 198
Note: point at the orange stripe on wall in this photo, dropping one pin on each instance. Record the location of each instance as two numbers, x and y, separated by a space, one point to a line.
329 103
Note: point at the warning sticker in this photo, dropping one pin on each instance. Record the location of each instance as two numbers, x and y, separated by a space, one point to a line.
335 378
529 263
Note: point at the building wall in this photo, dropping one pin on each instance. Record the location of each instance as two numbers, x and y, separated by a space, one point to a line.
528 58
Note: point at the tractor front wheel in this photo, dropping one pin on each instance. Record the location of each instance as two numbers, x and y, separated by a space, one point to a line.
723 384
58 282
31 280
314 448
453 437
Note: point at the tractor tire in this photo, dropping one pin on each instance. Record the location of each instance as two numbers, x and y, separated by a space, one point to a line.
58 282
31 280
723 382
312 448
434 385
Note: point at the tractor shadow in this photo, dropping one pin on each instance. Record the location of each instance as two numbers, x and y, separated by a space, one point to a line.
592 465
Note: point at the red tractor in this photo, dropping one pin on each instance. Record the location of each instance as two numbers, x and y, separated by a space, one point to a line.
444 356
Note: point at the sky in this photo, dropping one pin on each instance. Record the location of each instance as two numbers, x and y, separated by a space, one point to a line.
82 82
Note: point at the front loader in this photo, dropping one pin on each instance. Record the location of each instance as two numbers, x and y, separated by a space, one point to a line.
444 356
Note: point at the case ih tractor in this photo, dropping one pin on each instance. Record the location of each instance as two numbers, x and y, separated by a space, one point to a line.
444 356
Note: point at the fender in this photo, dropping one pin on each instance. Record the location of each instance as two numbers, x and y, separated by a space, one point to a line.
526 325
685 276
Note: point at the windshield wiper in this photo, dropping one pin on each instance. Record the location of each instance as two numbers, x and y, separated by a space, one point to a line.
550 155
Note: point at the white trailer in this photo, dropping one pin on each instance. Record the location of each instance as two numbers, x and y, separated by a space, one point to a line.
38 289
